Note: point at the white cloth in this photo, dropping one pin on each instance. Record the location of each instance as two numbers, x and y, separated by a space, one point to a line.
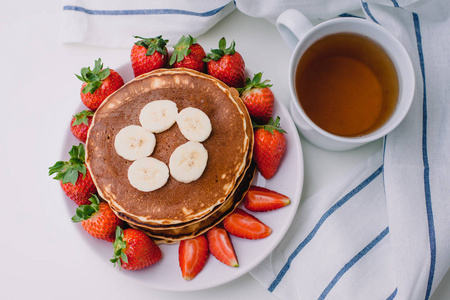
110 23
382 232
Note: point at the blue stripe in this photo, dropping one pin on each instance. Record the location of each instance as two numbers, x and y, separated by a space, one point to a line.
322 220
395 3
431 230
392 296
366 8
349 16
353 261
143 11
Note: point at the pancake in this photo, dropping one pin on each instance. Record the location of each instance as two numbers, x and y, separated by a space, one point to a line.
229 148
174 235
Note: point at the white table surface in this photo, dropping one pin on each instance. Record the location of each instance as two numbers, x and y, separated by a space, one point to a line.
42 256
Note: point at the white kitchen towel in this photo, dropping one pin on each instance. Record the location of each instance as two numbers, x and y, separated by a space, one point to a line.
109 23
383 231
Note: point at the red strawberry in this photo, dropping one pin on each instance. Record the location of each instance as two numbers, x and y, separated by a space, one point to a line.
98 84
258 98
270 144
226 64
192 256
188 54
75 178
148 54
262 199
242 224
80 123
221 247
134 250
98 219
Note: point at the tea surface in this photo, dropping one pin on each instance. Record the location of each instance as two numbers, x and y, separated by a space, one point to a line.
347 84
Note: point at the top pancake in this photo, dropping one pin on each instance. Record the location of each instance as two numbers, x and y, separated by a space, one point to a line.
228 146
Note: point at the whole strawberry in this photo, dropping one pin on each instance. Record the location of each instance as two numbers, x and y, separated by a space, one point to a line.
258 98
98 219
226 64
270 144
148 54
74 177
188 54
134 250
98 84
80 123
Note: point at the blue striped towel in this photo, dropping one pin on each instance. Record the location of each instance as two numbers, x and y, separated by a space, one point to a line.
383 231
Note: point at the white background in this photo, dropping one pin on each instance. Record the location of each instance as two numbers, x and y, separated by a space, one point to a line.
42 254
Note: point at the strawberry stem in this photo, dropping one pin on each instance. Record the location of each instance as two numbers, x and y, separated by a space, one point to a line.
67 171
254 83
119 248
93 78
84 212
82 117
217 54
181 49
157 44
270 126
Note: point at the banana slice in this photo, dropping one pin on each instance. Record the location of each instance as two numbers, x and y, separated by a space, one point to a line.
148 174
188 162
194 124
133 142
159 115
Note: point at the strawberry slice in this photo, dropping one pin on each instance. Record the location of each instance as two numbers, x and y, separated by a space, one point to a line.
221 247
192 256
242 224
262 199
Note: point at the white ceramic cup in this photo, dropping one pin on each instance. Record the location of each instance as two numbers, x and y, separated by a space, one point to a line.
300 34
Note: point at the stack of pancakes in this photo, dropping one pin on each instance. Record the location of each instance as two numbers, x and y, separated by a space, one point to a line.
177 210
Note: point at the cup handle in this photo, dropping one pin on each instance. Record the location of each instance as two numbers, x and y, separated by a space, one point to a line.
292 25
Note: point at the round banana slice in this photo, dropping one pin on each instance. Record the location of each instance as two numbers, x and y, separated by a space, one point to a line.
148 174
133 142
194 124
188 162
159 115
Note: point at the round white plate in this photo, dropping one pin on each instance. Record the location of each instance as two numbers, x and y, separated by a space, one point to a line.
166 274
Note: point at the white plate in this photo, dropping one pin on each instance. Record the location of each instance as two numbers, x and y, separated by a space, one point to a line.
166 274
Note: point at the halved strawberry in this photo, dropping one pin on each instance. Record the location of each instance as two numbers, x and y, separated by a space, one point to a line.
192 256
221 247
262 199
242 224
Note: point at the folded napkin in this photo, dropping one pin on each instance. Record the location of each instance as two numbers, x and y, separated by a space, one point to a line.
382 231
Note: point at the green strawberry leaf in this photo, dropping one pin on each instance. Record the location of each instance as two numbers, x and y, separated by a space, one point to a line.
119 248
181 49
270 126
82 117
84 212
103 74
217 54
94 78
152 44
68 171
254 83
